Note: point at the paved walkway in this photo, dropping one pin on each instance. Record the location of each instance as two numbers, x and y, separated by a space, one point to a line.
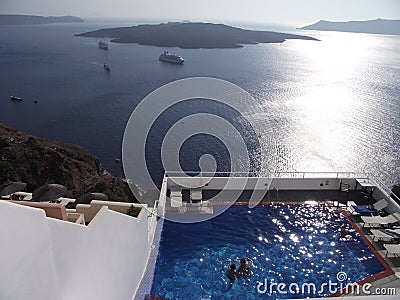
387 284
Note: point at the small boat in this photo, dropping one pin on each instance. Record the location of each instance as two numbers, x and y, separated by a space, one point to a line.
171 58
103 45
15 98
107 66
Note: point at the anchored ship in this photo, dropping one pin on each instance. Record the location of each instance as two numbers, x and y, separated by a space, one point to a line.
15 98
103 45
171 58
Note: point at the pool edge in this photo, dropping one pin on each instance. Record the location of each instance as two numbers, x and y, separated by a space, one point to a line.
388 270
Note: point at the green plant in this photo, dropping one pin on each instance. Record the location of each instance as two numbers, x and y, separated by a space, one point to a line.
133 211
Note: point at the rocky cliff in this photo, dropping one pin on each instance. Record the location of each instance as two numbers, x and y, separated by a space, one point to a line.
37 161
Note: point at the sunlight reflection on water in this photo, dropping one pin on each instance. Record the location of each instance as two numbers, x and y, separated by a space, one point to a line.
334 111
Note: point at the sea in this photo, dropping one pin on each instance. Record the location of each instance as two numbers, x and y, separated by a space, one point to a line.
331 105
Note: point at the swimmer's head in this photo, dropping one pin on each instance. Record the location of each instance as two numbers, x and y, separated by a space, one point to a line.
232 267
243 261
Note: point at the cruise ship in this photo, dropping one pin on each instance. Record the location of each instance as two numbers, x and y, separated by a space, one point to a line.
103 45
101 251
171 58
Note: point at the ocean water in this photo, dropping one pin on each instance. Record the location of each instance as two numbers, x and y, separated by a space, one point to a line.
328 105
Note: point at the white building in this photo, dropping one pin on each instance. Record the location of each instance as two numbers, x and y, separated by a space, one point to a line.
98 252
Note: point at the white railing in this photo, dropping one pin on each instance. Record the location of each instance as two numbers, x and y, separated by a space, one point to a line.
158 210
270 174
152 221
302 175
388 192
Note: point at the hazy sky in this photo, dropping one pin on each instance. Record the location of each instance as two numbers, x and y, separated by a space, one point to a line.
251 11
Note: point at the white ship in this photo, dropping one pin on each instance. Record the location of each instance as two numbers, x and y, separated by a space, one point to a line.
103 45
171 58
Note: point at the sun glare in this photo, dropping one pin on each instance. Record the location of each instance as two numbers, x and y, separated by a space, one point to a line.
327 98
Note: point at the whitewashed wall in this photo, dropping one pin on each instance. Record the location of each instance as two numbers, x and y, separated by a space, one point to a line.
43 258
27 266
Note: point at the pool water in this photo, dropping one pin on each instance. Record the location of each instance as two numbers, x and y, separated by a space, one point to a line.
292 244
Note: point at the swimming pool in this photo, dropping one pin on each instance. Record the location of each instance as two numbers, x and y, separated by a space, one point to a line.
292 244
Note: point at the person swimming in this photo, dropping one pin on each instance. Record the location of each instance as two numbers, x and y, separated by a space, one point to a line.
243 270
231 274
344 233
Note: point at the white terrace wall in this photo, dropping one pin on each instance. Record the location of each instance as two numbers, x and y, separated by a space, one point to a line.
27 266
43 258
261 183
91 210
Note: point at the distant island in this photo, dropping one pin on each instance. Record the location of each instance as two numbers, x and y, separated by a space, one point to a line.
30 19
189 35
378 26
